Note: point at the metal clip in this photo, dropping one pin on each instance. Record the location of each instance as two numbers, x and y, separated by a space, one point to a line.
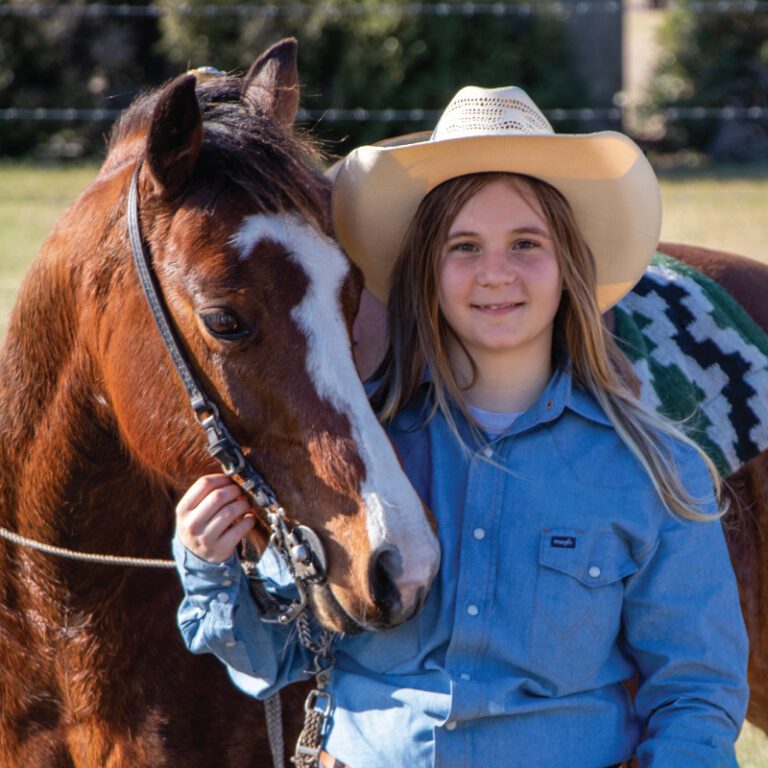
228 455
322 666
288 613
204 409
314 697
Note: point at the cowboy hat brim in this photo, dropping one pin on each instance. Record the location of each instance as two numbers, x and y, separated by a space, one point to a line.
606 179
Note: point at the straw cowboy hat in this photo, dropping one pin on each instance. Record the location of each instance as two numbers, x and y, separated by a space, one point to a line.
609 184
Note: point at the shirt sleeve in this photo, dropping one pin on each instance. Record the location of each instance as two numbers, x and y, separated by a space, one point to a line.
218 615
683 627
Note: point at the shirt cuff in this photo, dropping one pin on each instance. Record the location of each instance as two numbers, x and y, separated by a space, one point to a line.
199 576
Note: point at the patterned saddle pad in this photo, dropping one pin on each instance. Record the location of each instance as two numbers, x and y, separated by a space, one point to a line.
700 359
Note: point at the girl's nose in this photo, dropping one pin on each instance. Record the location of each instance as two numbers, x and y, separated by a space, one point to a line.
496 268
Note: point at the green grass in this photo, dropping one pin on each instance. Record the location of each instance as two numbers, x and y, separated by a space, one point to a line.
724 208
752 748
32 197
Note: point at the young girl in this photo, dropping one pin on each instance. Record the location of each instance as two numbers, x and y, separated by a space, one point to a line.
579 533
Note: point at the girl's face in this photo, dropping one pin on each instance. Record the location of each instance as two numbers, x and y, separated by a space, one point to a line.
499 278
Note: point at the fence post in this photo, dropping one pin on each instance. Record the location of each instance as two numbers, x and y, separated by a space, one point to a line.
595 31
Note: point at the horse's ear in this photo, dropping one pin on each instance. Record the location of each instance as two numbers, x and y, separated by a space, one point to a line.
175 135
272 83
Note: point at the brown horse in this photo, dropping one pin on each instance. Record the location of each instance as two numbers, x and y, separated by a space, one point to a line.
97 440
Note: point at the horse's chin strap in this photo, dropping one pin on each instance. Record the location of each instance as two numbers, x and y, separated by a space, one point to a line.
300 547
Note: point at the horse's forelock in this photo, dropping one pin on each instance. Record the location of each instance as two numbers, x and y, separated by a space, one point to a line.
244 155
243 152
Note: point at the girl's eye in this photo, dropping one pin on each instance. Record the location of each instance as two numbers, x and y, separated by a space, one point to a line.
525 245
224 324
462 247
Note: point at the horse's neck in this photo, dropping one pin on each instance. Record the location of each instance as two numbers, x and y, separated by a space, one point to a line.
64 473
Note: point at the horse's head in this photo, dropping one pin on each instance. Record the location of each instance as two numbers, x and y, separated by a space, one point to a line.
235 217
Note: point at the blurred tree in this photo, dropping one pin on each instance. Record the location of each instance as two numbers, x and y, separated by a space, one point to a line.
372 54
72 59
713 60
379 54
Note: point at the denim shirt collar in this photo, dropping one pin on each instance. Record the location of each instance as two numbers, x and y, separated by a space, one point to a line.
581 402
561 393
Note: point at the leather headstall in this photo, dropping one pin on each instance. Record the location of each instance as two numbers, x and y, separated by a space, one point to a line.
300 546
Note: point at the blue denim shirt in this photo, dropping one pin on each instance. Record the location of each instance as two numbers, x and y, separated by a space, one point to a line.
562 575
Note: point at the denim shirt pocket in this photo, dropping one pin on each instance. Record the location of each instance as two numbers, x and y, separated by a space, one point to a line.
577 603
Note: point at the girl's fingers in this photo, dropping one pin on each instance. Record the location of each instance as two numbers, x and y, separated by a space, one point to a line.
197 519
199 490
225 517
232 536
212 517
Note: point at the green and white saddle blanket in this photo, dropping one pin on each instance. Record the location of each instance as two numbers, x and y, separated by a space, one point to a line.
700 358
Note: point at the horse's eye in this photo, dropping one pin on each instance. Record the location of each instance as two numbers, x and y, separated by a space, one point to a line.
224 324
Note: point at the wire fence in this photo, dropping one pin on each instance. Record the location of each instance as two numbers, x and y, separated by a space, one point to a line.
43 114
428 116
252 10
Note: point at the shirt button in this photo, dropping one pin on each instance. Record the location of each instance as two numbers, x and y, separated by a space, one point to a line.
487 451
465 676
451 726
594 571
223 597
473 610
226 583
478 533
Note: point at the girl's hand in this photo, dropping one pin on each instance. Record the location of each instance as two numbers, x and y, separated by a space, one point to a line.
212 517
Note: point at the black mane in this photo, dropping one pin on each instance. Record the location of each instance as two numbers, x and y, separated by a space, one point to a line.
242 148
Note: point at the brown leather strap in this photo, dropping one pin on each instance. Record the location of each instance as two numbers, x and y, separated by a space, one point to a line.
329 761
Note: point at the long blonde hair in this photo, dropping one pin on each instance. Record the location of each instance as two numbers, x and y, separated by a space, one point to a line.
419 334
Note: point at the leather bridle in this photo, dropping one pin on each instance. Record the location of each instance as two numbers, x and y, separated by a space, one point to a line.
300 546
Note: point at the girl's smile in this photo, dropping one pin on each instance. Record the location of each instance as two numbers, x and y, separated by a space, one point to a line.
497 309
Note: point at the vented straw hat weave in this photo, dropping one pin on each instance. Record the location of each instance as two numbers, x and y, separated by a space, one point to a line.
605 177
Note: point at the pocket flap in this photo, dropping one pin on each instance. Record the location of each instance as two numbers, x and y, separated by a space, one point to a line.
595 558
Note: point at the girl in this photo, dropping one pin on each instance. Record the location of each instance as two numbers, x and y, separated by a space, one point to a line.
579 534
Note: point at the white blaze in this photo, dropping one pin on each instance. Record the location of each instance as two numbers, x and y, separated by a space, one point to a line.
394 513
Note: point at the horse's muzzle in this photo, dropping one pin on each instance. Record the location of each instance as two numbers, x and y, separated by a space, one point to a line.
396 599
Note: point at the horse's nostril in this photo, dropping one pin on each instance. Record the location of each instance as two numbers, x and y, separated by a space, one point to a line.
386 567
